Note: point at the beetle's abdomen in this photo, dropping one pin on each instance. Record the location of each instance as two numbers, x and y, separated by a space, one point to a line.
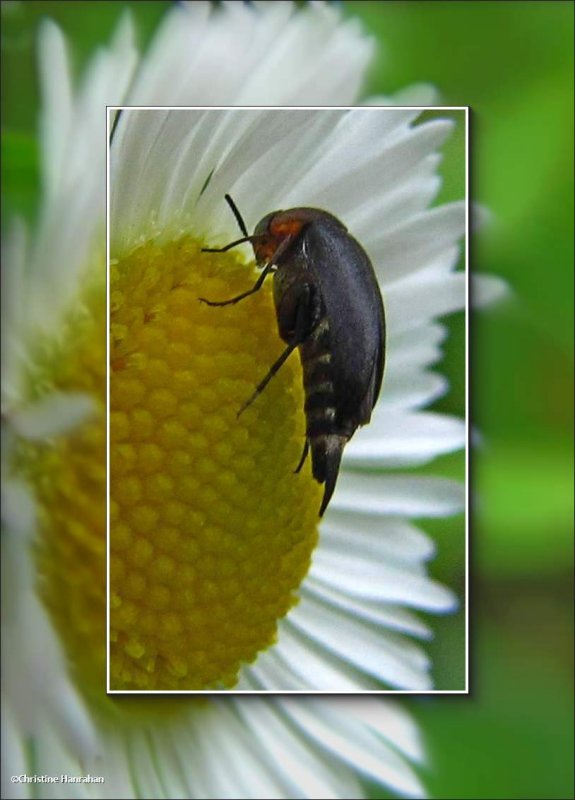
316 359
324 432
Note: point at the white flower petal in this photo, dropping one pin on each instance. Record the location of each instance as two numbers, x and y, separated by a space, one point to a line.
403 253
270 133
54 415
247 773
417 346
398 439
28 639
117 766
384 584
14 755
297 67
302 766
283 161
410 197
18 507
307 662
403 495
57 94
388 720
354 143
235 54
141 753
376 538
418 94
385 615
63 252
354 744
340 180
487 289
409 303
272 671
14 298
408 387
48 751
389 657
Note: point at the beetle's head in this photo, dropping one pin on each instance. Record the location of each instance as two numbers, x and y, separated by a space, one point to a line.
265 243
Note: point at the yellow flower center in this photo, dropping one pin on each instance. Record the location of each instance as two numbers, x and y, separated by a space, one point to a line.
211 532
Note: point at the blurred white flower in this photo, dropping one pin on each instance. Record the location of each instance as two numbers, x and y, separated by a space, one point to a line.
56 719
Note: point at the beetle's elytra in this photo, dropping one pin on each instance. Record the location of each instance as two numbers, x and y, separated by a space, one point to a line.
328 304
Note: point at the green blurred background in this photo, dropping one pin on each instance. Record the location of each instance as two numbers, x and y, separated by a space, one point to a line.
512 62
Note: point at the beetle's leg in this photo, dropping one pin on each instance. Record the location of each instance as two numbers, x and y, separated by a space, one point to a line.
303 457
272 371
255 288
300 333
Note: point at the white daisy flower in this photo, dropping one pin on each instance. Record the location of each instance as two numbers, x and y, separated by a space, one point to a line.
56 718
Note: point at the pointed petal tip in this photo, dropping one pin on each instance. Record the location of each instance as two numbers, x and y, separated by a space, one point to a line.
487 290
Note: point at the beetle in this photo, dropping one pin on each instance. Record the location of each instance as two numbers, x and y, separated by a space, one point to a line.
328 304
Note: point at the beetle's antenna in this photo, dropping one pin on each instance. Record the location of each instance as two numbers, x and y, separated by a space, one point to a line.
232 244
237 215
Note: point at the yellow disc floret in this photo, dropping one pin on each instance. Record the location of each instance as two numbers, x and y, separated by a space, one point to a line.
211 532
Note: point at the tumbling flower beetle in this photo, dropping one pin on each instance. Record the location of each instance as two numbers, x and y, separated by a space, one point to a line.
329 305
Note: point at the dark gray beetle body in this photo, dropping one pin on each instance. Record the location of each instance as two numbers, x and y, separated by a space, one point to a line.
329 306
